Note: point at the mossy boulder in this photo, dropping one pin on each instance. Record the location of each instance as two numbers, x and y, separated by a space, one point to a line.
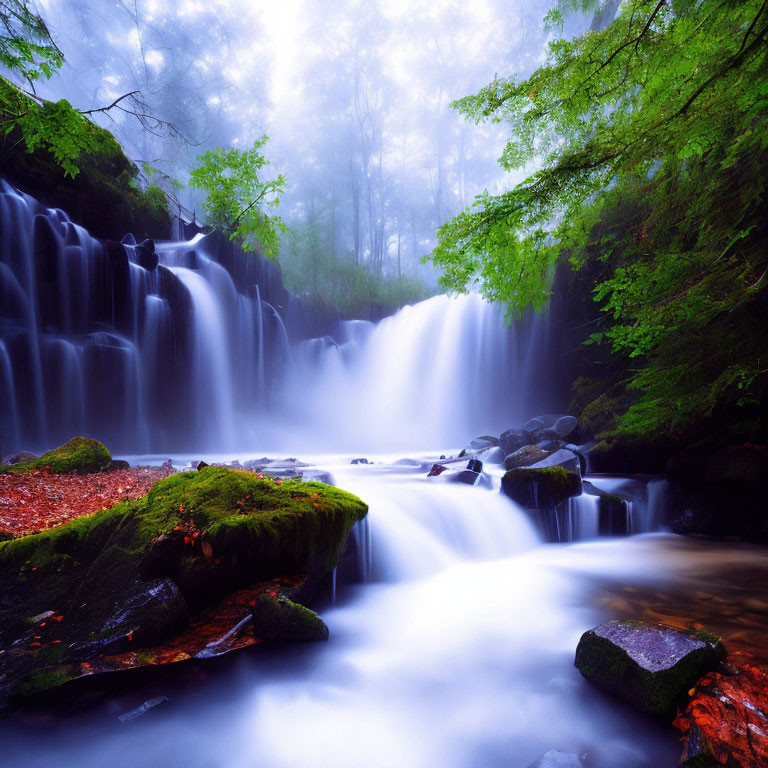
81 454
540 488
126 577
104 196
652 666
525 456
277 618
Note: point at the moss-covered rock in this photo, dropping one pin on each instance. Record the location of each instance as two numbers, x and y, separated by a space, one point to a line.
650 665
81 454
277 618
104 196
124 577
540 488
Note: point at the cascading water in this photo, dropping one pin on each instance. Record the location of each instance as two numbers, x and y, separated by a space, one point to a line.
97 338
191 353
457 652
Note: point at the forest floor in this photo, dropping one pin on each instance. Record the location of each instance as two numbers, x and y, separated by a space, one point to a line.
35 501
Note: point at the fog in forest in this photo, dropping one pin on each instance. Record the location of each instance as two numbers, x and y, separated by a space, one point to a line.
355 97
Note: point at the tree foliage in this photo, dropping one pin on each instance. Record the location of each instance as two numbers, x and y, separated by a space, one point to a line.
26 45
237 199
657 121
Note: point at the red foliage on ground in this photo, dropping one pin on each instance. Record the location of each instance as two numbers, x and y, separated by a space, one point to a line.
35 501
727 719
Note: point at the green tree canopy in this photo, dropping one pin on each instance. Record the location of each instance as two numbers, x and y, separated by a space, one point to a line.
237 199
26 45
659 121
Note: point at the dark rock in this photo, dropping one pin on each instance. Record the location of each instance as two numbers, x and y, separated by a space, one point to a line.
146 255
128 239
540 488
565 426
524 457
556 759
436 470
117 464
201 465
548 445
359 461
17 458
651 666
277 618
512 440
142 710
466 476
149 613
533 425
475 465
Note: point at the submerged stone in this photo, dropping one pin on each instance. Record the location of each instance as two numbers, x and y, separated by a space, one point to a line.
652 666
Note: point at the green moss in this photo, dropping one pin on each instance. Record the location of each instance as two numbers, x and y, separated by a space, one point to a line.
104 196
277 618
541 487
43 681
80 454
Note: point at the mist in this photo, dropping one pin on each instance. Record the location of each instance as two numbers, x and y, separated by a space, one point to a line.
355 97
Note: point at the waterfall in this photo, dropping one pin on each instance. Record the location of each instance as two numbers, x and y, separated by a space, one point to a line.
201 349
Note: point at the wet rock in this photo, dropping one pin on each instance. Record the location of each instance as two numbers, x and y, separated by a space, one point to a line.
565 426
524 457
359 461
650 665
117 464
559 458
513 439
533 425
201 465
484 441
540 488
149 613
142 710
146 254
277 618
492 455
437 469
548 445
556 759
466 476
726 721
18 458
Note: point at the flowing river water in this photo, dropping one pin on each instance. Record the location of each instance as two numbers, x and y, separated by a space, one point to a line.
455 648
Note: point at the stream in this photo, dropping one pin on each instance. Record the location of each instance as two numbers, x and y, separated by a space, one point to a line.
457 650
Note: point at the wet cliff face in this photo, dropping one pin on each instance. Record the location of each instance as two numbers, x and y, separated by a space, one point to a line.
150 349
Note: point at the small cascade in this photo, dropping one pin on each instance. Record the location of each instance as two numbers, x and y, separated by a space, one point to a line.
613 506
148 348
